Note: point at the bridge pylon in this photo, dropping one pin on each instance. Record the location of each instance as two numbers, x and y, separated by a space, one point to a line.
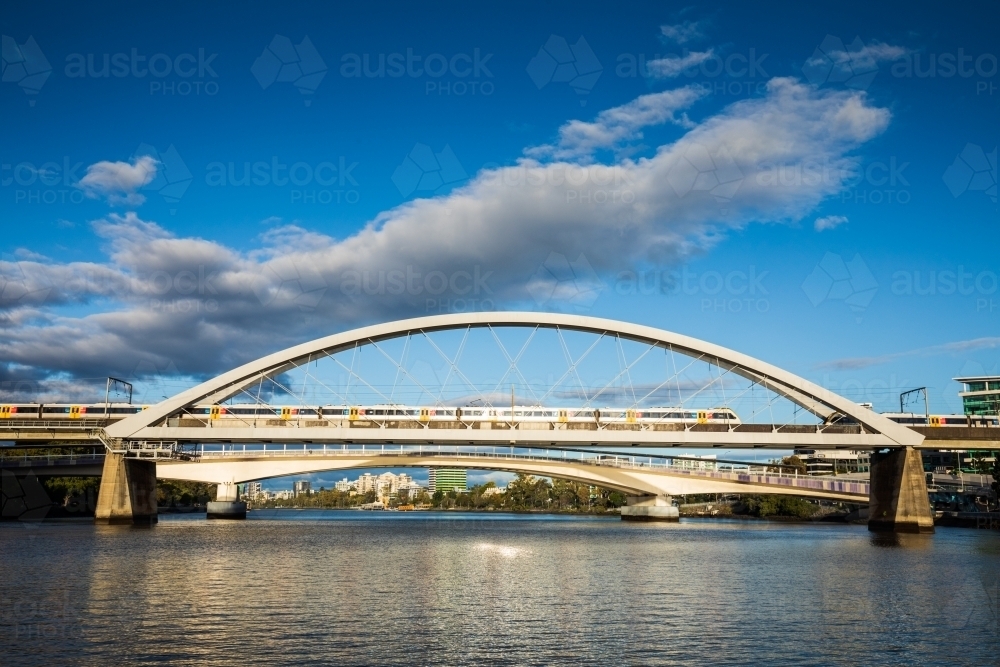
128 491
650 508
897 501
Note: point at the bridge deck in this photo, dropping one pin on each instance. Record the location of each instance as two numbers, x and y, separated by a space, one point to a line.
773 436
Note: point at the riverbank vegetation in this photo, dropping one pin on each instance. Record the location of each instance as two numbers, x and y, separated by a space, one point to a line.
525 493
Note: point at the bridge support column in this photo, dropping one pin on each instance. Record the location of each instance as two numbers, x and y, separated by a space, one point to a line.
227 504
650 508
897 500
128 491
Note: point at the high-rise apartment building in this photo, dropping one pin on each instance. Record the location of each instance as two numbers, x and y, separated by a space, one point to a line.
446 479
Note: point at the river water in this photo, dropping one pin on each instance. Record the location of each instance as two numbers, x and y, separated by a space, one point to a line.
364 588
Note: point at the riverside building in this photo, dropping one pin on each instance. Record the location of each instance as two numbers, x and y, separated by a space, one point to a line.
447 480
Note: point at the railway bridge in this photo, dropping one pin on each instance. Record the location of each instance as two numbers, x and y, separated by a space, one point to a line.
639 382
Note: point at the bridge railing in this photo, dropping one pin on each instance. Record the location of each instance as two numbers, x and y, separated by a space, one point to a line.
22 460
54 424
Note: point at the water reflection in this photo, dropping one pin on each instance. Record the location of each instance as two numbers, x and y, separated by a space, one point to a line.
343 587
904 540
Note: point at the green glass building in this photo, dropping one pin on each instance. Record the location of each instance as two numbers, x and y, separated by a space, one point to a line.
446 479
981 395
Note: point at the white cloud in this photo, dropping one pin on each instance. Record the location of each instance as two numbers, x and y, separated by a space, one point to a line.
612 127
682 33
674 66
845 60
202 307
955 347
119 182
829 222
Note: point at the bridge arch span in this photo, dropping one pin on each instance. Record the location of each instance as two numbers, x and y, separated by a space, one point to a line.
877 431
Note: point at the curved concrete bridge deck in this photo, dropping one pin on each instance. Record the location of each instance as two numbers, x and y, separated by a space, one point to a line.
635 475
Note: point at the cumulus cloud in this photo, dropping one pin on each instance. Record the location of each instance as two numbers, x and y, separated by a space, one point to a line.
119 182
673 66
200 306
829 222
682 33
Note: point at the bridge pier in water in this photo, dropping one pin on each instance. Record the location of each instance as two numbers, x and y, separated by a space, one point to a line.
227 504
897 500
128 491
649 508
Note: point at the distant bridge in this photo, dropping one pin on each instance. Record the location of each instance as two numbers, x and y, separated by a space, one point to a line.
634 475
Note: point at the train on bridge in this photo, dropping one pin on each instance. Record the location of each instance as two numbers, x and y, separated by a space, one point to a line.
251 411
468 414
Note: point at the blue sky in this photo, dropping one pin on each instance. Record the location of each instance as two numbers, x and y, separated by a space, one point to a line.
795 183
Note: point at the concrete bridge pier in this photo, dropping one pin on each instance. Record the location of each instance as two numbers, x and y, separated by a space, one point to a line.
128 491
227 504
649 508
897 500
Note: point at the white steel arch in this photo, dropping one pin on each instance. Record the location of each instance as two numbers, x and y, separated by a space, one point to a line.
817 400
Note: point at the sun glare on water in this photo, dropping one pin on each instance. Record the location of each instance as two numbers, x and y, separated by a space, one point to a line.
501 550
